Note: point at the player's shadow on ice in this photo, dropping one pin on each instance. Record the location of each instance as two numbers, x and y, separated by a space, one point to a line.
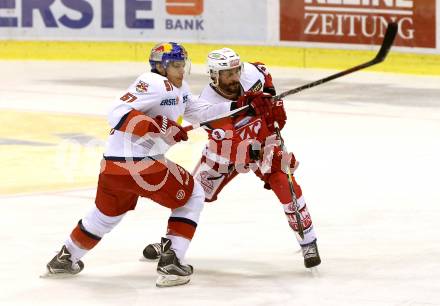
236 271
134 278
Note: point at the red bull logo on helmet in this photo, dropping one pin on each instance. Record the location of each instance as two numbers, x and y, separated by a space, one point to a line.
167 52
164 47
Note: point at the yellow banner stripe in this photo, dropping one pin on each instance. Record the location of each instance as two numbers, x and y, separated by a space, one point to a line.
270 55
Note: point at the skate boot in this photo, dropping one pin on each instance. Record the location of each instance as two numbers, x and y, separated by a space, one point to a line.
152 252
61 265
311 254
171 271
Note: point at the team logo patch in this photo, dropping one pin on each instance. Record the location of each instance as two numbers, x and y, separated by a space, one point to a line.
142 87
180 195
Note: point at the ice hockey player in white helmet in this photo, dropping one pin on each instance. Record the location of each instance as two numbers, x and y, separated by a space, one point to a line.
145 122
239 83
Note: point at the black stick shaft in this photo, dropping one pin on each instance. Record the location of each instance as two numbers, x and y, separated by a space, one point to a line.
388 40
380 57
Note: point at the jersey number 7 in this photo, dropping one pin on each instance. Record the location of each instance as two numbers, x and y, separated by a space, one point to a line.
128 97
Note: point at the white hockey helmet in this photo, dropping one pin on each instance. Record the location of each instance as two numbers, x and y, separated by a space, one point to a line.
222 59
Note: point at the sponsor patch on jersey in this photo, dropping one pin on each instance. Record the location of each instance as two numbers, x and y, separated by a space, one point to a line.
172 101
257 86
141 87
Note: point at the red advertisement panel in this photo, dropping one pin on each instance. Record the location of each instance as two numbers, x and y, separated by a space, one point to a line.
358 21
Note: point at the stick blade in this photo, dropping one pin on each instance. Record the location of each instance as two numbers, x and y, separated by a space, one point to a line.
388 40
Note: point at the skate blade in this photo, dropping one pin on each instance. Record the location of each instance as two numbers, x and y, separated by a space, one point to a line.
315 272
50 275
148 260
171 280
57 276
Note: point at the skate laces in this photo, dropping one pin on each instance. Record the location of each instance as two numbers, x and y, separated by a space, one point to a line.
157 247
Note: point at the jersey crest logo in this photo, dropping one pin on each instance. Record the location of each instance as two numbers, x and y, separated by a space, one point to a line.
142 87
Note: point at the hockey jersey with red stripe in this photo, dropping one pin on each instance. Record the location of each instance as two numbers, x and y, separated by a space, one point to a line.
229 141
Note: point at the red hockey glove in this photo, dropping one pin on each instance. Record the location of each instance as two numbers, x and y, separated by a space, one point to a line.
260 103
170 131
282 159
278 114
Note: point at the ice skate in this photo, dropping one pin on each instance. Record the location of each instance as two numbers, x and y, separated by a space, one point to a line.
151 252
61 265
171 271
311 254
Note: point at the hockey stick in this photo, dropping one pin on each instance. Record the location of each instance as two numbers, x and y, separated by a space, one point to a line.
216 119
300 233
387 42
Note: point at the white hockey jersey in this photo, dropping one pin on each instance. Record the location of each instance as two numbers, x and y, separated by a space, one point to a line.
153 95
251 79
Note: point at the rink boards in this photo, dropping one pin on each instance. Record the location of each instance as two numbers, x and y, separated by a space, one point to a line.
281 56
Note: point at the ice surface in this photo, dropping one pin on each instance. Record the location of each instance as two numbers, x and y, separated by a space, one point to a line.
369 147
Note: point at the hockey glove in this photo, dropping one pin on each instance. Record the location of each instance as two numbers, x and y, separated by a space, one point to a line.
278 114
169 130
259 102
